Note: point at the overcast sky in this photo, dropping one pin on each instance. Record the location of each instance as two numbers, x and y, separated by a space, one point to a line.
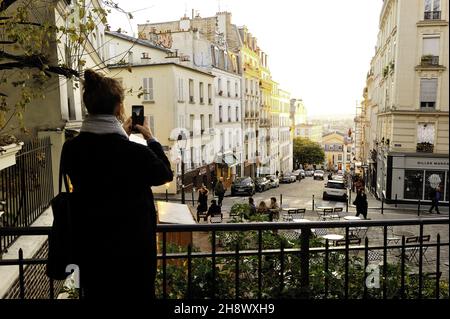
319 50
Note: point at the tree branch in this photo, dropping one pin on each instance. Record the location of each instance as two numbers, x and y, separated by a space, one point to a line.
34 61
5 4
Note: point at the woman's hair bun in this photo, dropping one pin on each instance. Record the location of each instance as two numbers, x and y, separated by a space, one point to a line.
92 79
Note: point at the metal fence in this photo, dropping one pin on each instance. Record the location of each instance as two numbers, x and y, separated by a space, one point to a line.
304 266
26 188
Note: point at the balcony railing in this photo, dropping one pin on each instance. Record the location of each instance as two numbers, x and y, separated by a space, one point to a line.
429 60
290 260
201 100
425 148
209 101
191 99
432 15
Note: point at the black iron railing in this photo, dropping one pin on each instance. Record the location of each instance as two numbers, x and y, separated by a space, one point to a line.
432 15
295 267
26 188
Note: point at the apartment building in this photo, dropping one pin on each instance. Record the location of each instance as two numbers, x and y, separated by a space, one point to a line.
177 99
407 89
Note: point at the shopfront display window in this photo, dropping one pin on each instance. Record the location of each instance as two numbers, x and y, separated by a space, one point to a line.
413 184
434 179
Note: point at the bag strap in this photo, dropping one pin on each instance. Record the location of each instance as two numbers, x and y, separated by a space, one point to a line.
62 175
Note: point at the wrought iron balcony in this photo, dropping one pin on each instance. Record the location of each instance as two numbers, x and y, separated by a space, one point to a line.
425 147
429 60
432 15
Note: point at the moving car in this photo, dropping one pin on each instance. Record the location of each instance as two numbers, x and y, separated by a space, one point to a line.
309 172
288 178
335 189
243 185
262 184
318 174
300 174
274 181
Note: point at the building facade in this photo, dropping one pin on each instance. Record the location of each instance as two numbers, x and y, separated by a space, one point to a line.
338 151
408 88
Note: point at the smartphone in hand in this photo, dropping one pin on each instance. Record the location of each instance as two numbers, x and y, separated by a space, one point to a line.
137 117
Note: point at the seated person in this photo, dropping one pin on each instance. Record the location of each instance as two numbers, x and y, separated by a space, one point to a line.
274 208
214 209
262 208
251 202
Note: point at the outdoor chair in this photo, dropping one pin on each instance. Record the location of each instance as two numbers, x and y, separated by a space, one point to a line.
352 241
320 232
339 211
202 215
289 216
391 237
413 253
216 219
375 256
326 213
290 235
300 213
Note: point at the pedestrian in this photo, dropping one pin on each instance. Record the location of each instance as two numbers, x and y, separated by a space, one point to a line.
361 203
214 209
277 173
219 191
213 182
202 202
435 196
112 179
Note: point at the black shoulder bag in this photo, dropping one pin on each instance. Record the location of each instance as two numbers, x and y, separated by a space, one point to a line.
61 241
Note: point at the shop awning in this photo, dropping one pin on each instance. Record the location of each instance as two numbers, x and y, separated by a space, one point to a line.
229 160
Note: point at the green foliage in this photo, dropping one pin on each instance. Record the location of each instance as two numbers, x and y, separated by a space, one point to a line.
286 284
307 152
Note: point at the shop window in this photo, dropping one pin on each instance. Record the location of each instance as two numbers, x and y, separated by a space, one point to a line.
434 179
413 188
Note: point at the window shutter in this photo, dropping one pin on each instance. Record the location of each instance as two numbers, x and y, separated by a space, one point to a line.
431 46
145 89
428 90
152 124
150 89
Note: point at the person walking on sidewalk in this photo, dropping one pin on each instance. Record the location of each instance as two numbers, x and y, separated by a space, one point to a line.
361 203
219 191
435 196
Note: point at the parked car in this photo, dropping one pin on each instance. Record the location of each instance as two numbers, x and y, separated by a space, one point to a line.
274 181
337 178
302 174
243 185
309 173
288 178
262 184
335 189
319 174
340 173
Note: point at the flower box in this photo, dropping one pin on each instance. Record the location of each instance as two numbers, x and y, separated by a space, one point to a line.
8 154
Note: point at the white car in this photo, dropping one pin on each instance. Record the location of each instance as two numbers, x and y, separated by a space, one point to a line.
335 189
318 174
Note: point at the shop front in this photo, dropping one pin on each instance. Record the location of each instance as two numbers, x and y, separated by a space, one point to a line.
226 167
411 177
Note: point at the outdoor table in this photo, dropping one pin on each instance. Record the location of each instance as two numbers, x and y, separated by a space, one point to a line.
333 237
352 218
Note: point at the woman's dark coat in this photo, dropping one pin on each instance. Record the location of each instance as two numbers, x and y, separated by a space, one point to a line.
361 204
111 177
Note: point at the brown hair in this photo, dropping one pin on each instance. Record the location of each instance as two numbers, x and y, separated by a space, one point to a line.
102 94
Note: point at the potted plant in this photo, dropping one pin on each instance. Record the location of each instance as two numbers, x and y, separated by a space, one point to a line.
9 146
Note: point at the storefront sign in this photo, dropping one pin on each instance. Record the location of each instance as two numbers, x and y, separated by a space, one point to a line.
426 163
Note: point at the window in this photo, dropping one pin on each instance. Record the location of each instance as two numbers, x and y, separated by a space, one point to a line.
201 92
339 157
219 86
434 179
202 122
348 158
229 113
148 89
228 88
181 123
209 94
191 122
191 91
237 114
220 113
413 188
130 57
236 89
180 90
432 10
431 46
428 93
210 121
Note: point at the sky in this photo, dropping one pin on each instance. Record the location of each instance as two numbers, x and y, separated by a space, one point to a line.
319 50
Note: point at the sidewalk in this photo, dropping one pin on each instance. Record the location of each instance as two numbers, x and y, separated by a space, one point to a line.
375 204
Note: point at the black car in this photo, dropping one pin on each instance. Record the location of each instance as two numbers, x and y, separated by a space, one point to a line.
243 185
262 184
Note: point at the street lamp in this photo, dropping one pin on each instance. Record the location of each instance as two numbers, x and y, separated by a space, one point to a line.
182 145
